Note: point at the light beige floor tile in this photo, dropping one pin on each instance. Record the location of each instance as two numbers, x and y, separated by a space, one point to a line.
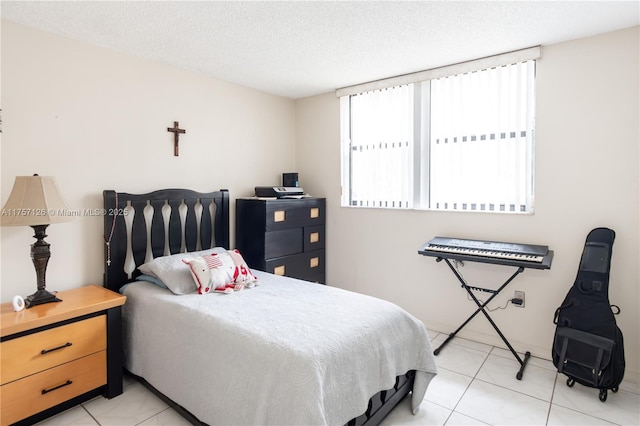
457 419
447 388
622 407
458 358
168 417
496 405
630 386
536 382
135 405
538 362
432 334
429 414
76 416
560 416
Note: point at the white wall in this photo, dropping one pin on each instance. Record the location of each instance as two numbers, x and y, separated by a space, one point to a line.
96 119
587 160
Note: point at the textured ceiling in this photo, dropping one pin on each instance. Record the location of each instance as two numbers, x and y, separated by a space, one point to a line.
301 48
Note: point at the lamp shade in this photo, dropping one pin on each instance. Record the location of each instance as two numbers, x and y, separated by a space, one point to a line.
34 200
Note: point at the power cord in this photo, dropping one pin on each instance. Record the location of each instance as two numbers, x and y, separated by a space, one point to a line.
458 264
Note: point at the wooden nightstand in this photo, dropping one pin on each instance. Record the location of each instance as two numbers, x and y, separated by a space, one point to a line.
57 355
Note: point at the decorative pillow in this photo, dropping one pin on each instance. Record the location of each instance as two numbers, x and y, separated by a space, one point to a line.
220 272
207 273
173 272
241 274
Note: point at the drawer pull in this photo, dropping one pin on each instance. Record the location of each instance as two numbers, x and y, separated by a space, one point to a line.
314 213
46 351
314 262
279 216
314 237
279 270
67 383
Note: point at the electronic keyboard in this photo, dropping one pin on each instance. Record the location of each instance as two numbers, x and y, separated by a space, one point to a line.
513 254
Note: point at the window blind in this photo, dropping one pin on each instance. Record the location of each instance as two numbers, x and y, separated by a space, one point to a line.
481 140
380 148
461 142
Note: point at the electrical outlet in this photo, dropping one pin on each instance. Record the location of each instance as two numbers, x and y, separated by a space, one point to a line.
519 295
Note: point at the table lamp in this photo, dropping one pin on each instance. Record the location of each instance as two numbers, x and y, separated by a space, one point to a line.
35 201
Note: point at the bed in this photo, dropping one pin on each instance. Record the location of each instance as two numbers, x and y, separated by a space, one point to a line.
283 352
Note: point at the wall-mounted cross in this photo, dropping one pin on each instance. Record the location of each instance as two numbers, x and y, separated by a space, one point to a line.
176 134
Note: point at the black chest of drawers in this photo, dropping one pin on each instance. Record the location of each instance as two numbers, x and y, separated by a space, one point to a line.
283 236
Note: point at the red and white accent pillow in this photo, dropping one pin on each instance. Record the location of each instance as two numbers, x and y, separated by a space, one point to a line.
220 272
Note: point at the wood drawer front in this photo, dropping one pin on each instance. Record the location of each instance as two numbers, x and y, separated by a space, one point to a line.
303 266
23 398
23 356
282 243
294 213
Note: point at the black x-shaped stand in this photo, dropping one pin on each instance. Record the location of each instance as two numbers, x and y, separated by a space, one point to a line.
481 306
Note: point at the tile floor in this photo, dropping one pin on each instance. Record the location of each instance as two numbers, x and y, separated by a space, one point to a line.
475 385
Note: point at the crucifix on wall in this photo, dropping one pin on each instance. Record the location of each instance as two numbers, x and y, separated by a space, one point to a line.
176 130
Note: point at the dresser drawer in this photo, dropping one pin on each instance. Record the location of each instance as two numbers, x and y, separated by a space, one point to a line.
283 242
36 352
25 397
304 266
292 214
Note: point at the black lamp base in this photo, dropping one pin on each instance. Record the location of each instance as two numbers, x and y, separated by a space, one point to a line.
40 297
40 254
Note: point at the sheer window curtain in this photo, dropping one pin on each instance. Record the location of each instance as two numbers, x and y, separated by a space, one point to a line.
481 141
379 149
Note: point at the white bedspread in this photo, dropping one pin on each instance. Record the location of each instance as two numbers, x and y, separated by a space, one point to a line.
286 352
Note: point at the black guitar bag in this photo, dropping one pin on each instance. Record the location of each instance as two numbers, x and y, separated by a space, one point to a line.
588 346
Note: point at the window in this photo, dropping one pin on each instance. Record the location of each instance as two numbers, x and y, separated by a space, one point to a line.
381 126
458 142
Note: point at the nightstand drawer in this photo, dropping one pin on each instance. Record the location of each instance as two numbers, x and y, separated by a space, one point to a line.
36 352
25 397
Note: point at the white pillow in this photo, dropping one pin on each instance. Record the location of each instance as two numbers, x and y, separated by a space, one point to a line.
173 272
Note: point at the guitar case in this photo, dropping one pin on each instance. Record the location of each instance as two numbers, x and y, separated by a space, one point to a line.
588 346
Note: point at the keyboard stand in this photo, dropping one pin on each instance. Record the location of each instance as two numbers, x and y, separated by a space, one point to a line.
481 308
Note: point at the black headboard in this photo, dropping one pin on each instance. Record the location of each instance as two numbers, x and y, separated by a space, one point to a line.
177 220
